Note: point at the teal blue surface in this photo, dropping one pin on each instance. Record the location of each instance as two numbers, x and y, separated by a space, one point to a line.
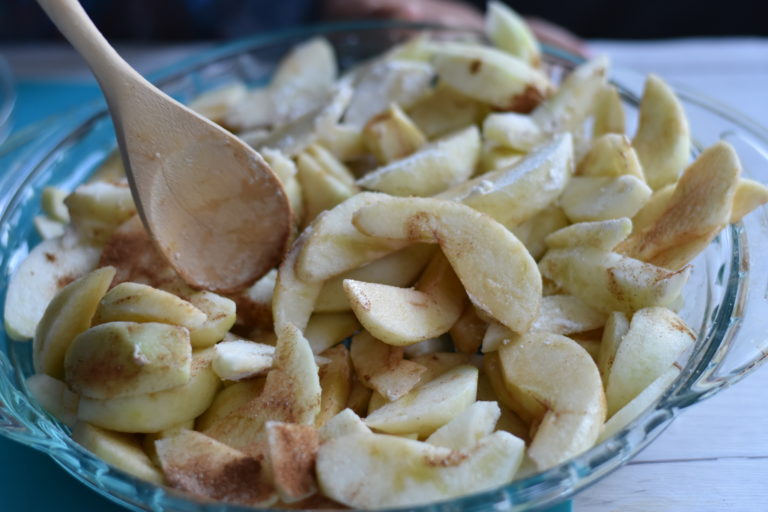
29 480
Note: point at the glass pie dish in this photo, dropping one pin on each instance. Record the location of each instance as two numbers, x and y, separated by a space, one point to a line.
725 295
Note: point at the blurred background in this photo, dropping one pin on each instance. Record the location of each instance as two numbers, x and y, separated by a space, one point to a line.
185 20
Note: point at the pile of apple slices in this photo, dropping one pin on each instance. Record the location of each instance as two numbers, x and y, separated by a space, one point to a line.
484 284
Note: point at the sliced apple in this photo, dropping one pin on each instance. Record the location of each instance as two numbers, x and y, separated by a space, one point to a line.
335 382
220 314
496 270
468 427
514 194
614 330
750 194
404 316
325 330
52 202
381 367
392 135
291 394
508 31
523 404
320 188
491 76
229 399
534 231
123 451
468 331
655 339
612 282
67 315
574 100
98 208
609 112
428 407
134 302
445 110
241 359
153 412
663 140
409 472
55 397
557 372
604 234
49 267
334 246
611 154
432 169
286 171
566 314
400 268
345 423
438 363
195 463
294 298
697 211
594 198
513 130
292 450
48 228
120 359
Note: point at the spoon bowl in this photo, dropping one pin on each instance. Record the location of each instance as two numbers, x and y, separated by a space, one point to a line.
215 209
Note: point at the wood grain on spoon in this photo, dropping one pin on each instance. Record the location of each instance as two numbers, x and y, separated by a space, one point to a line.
215 208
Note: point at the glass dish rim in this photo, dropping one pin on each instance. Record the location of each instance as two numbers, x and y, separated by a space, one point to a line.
655 418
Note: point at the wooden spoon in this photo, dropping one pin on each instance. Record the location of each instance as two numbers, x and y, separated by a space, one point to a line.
215 208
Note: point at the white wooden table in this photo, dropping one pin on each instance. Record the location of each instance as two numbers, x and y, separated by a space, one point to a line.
714 457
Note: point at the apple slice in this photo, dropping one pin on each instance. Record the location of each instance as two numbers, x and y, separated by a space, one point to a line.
468 331
100 207
513 130
750 194
526 407
335 382
229 399
612 155
430 170
241 359
655 339
67 315
49 267
498 273
566 314
604 234
206 468
55 397
491 76
392 135
404 316
557 372
595 198
428 407
508 31
468 427
120 359
609 112
408 472
345 423
293 298
292 450
381 367
153 412
123 451
325 330
662 141
134 302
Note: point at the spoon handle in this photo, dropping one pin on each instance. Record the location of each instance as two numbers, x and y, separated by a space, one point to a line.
72 20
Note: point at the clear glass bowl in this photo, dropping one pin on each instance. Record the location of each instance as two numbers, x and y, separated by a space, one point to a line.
726 295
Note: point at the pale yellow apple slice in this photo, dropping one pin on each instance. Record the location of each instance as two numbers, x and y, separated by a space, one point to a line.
293 298
48 228
614 330
321 189
750 194
525 406
195 463
241 359
445 110
574 100
557 372
52 203
468 331
292 450
286 172
334 246
432 169
496 270
605 234
428 407
291 394
609 112
55 397
220 315
639 404
135 302
491 76
655 340
345 423
153 412
404 316
400 268
409 472
566 314
514 194
594 198
229 399
98 208
534 231
335 382
123 451
49 267
612 282
392 135
611 154
508 31
437 363
67 315
697 211
381 367
119 359
663 140
513 130
468 427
